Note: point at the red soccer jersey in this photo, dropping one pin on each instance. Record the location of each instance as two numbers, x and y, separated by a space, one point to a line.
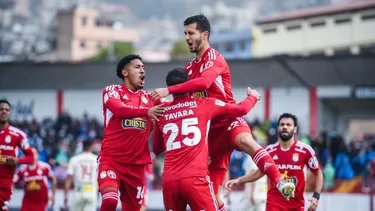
35 182
291 164
126 125
10 139
183 130
212 62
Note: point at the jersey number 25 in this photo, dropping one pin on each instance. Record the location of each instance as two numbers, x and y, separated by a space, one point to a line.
188 126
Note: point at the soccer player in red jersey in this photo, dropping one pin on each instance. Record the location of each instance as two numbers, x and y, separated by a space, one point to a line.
125 153
291 156
35 176
209 76
182 133
10 139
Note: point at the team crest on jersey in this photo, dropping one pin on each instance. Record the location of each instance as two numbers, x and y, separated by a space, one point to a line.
144 100
136 123
113 94
39 172
295 157
8 139
111 174
202 94
208 64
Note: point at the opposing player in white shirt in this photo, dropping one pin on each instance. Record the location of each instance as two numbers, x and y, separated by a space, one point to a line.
255 194
82 170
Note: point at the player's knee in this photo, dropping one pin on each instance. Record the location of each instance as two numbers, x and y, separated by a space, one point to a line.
246 142
219 200
109 199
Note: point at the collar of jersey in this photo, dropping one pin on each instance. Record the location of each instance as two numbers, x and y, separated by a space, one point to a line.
203 56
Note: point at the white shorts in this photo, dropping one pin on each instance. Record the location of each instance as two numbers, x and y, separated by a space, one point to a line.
84 202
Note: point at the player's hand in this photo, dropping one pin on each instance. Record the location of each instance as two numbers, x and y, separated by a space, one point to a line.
156 112
254 92
159 93
151 177
230 183
314 204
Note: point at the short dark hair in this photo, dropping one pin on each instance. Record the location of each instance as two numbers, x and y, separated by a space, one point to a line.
87 144
5 101
125 61
288 115
203 24
176 76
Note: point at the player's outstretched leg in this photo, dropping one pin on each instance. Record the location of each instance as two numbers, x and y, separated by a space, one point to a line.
109 199
263 160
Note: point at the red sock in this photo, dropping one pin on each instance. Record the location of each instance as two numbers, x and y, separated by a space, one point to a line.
222 208
265 163
109 201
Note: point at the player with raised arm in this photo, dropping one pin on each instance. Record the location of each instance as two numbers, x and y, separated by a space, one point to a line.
82 170
125 153
291 156
10 139
210 76
182 133
35 176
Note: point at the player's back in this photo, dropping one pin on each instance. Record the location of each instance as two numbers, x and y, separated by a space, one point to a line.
83 167
185 126
10 138
125 139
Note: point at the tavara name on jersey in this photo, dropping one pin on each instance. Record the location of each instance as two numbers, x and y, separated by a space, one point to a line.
179 114
136 123
202 94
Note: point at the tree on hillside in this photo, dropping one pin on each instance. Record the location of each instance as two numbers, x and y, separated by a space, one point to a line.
120 49
180 50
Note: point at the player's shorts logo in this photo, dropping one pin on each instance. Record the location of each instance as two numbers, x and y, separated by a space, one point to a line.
111 174
137 123
233 125
103 174
202 94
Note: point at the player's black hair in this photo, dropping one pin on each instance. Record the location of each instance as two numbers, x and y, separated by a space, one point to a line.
125 61
176 76
203 24
87 144
5 101
288 115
